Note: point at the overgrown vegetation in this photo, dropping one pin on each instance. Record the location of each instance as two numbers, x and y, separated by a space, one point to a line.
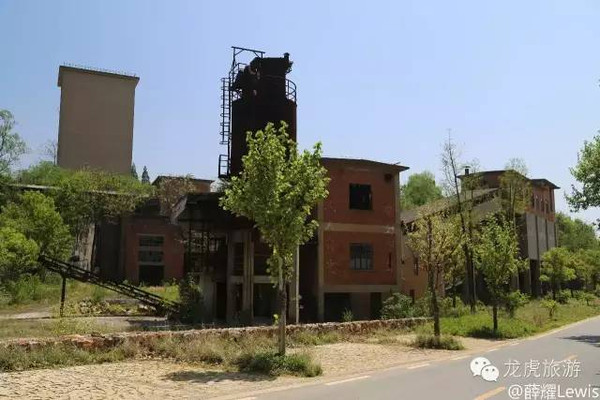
428 341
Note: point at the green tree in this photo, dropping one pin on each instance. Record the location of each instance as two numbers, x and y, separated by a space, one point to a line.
586 172
86 197
575 234
558 268
515 190
145 176
497 257
277 190
11 145
17 254
134 173
171 189
435 239
420 189
35 216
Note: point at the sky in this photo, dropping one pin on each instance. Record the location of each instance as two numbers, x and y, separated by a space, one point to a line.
376 80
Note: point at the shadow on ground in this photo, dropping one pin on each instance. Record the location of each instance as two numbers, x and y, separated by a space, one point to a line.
594 340
208 377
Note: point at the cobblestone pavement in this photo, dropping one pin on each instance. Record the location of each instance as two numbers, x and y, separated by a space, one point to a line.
168 380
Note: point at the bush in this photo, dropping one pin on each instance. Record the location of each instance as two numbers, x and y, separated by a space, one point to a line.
25 289
271 363
447 308
347 316
588 298
513 301
426 341
192 301
551 306
397 305
563 296
422 307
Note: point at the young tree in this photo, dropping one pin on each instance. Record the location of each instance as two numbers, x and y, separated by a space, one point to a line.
134 173
35 216
435 239
50 151
452 167
277 190
11 145
497 257
586 172
419 190
558 268
515 190
145 176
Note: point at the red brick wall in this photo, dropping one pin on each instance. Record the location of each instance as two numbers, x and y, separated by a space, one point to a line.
337 259
336 206
173 248
544 194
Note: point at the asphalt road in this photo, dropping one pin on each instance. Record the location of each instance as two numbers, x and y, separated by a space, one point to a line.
575 351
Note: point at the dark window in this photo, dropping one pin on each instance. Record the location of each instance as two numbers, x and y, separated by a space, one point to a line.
360 196
361 256
151 274
238 258
150 256
150 259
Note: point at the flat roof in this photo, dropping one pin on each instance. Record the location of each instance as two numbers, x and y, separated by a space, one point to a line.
364 162
535 181
94 71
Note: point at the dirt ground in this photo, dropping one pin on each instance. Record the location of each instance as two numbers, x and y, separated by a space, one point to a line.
166 380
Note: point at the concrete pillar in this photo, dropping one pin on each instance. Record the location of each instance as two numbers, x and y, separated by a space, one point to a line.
294 297
248 279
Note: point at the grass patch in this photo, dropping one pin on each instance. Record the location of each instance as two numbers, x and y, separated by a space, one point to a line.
271 363
531 319
427 341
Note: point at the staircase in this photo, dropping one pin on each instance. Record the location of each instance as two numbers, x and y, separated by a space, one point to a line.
67 270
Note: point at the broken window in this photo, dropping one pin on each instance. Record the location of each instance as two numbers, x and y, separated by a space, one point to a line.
360 196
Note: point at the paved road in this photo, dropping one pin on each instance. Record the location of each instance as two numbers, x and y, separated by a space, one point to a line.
573 348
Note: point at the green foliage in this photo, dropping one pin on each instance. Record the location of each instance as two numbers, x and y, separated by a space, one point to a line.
23 289
575 234
347 316
558 267
36 217
453 307
191 300
586 172
420 189
271 363
515 189
18 254
396 306
12 147
171 189
425 341
513 301
277 190
563 296
423 305
134 173
551 306
435 240
86 196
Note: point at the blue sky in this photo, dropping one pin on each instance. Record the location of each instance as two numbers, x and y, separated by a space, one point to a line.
377 80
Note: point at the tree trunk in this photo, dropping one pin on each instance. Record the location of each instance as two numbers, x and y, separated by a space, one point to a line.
282 294
495 315
434 304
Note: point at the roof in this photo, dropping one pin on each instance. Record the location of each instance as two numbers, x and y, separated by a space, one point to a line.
161 178
363 162
478 196
95 71
544 182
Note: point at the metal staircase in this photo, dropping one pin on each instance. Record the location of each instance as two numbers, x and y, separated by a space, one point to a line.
67 270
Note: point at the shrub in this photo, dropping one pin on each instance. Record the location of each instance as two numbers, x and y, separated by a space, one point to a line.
448 309
427 341
24 289
589 298
551 306
513 301
271 363
422 307
563 296
397 305
347 316
192 301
